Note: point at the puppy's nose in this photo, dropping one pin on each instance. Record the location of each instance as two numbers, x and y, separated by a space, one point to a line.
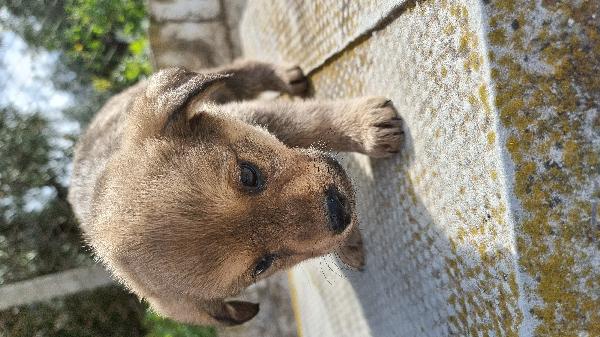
338 210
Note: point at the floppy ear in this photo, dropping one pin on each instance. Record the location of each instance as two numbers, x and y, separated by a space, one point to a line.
231 312
162 107
210 312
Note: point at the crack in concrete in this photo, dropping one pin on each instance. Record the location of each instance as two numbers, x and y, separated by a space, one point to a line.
390 17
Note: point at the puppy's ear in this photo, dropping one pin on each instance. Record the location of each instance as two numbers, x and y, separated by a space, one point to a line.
203 312
161 108
231 312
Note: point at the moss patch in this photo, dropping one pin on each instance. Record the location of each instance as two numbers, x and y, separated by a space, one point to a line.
547 111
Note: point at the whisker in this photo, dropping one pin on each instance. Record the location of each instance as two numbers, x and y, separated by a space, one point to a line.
333 271
323 273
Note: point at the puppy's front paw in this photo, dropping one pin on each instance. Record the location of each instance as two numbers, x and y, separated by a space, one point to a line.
382 133
293 80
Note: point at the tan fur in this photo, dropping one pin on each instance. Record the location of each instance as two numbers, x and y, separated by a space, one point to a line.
156 183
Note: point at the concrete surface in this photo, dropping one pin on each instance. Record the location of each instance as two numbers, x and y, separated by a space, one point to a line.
486 225
43 288
194 34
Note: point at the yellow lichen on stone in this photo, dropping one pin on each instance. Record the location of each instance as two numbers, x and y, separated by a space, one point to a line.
449 29
491 138
497 36
485 98
473 62
472 100
506 5
544 112
444 71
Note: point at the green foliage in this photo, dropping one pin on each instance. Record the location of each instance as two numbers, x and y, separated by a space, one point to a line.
108 37
39 22
104 312
33 240
103 41
22 170
162 327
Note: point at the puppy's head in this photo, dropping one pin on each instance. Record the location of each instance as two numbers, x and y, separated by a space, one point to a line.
204 205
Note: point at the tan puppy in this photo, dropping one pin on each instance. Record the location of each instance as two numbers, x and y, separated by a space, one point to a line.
188 197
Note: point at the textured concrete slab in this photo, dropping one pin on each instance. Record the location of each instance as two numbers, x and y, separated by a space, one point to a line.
184 10
486 224
310 31
59 284
233 11
193 45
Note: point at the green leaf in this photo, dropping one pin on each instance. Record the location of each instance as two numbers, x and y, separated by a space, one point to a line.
163 327
132 71
138 46
101 84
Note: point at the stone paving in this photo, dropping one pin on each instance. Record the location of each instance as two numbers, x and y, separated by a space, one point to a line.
195 33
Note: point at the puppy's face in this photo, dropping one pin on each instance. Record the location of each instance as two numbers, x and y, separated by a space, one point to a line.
231 205
213 204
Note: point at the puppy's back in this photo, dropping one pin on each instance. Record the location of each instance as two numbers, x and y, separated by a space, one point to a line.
101 139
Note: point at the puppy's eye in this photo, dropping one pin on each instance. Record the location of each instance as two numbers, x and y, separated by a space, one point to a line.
250 177
263 264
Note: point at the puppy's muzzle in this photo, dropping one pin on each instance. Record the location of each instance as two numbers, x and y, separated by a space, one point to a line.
338 210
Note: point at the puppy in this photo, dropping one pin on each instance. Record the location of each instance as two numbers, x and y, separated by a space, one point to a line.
188 195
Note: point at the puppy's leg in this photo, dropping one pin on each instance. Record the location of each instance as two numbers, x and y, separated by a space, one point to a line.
250 78
368 125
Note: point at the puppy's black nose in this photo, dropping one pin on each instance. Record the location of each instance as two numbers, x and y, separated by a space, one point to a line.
338 210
